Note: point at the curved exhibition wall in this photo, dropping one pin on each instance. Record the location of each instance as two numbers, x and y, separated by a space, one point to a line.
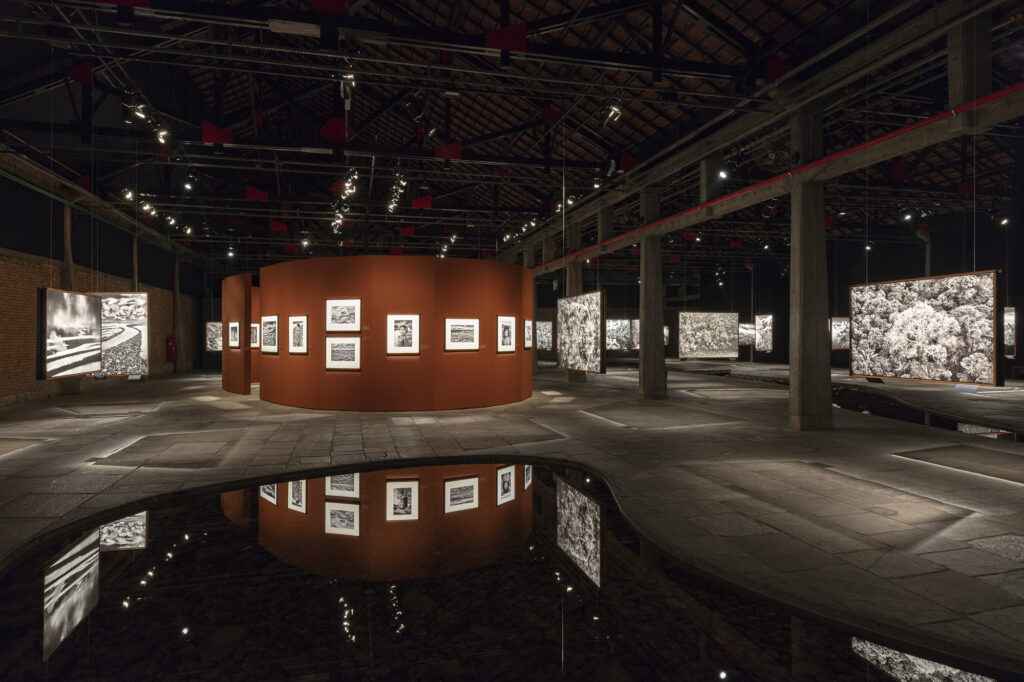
432 288
433 544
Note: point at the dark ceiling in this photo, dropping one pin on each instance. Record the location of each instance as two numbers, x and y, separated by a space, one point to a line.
452 143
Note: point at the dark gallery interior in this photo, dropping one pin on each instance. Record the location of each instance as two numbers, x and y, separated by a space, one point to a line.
490 340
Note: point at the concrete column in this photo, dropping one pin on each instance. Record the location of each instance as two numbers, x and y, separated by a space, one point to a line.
547 250
810 381
710 183
528 253
573 284
605 224
653 379
970 58
1014 241
67 266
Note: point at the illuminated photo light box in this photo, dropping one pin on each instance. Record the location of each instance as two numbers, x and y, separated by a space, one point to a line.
73 334
1010 331
839 328
580 332
926 329
634 334
578 532
125 329
709 335
71 589
616 334
214 337
544 332
763 329
746 334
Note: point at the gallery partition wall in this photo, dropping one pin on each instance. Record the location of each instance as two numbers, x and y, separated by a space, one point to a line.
371 333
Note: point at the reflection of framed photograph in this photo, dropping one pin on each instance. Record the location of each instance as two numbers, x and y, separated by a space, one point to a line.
506 484
403 501
297 496
214 337
71 589
254 335
506 334
341 518
461 494
268 491
527 333
527 475
343 352
461 333
126 533
269 329
342 485
403 334
578 529
234 335
297 337
343 315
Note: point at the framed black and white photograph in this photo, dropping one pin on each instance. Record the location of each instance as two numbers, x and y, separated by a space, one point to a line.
403 334
544 329
578 529
343 315
1009 331
268 491
254 335
763 333
941 329
125 329
616 334
298 338
125 533
341 518
746 334
73 334
839 329
579 332
528 334
71 589
461 493
709 335
527 475
343 352
506 484
268 329
297 496
403 501
214 337
506 334
461 333
342 485
234 335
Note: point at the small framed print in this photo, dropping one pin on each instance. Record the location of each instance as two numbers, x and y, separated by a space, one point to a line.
341 518
254 335
269 329
403 334
506 334
343 315
461 333
343 352
527 475
297 496
460 494
506 484
403 501
527 334
298 341
268 491
342 485
234 335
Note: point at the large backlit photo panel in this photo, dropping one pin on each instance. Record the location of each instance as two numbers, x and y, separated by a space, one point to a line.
746 334
1010 331
544 331
579 529
71 589
616 334
73 334
125 329
580 332
839 327
926 329
763 333
214 336
709 335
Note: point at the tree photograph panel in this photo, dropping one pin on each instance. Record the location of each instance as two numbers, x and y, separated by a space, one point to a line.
580 332
928 329
616 334
763 330
839 328
709 335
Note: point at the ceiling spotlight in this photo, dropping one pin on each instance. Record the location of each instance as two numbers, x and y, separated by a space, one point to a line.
140 111
1004 221
867 247
188 230
171 221
231 252
305 243
723 173
162 135
614 112
145 207
597 183
766 246
727 169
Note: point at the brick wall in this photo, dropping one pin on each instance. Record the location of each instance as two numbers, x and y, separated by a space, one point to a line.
21 277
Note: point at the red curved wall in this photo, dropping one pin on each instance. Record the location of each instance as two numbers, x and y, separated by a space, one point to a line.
433 288
435 544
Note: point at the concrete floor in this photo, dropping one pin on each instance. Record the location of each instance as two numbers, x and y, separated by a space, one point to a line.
868 524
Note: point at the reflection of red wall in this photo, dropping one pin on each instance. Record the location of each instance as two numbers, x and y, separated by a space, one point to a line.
235 306
435 544
431 287
254 354
238 507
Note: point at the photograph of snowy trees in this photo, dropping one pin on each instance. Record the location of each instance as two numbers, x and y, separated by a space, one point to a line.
709 335
580 332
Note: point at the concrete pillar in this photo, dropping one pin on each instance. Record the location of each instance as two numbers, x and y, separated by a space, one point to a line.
710 183
67 266
605 224
573 283
528 254
810 381
653 379
547 250
1015 270
970 58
